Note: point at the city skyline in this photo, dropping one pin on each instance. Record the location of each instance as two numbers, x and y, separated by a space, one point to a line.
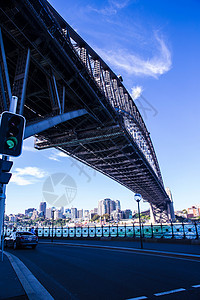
153 57
43 206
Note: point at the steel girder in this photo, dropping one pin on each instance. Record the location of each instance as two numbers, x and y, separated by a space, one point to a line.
59 72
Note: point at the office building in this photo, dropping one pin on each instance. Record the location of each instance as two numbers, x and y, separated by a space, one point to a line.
58 214
49 213
86 213
42 208
74 212
107 206
80 213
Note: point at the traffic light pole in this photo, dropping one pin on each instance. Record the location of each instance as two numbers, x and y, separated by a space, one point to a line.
13 108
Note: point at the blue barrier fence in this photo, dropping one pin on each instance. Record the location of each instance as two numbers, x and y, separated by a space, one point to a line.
177 231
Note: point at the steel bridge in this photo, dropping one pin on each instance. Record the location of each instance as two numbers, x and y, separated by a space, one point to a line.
74 102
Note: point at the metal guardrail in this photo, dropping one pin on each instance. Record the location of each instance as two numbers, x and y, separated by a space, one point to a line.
169 231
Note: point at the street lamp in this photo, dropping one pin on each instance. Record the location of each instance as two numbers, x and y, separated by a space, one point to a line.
53 211
138 198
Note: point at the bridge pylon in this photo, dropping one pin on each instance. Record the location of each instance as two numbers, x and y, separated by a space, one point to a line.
162 213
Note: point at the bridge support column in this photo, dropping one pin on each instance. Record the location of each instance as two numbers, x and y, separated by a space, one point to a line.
152 217
170 208
159 213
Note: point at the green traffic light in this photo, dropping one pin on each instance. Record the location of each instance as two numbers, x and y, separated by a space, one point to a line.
11 142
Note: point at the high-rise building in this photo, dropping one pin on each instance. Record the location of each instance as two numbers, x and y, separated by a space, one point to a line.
80 213
58 214
117 205
42 208
86 213
74 212
48 213
107 206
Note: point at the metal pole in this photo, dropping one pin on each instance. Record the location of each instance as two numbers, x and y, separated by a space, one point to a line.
141 241
197 235
13 107
2 208
21 109
52 226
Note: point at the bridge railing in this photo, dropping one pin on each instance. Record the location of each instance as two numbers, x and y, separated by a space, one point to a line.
166 231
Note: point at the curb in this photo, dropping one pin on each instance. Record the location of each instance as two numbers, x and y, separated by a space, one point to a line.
33 288
186 256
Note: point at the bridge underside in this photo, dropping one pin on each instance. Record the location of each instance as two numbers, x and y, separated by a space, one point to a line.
53 72
113 153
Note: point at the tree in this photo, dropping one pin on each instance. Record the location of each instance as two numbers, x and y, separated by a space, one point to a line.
106 216
95 217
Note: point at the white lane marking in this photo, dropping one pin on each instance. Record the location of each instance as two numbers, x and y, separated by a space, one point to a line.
138 298
170 292
196 286
33 288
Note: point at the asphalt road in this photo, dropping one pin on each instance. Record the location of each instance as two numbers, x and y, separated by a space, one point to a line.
69 272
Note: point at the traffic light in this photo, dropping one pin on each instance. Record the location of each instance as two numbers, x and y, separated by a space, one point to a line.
11 133
5 166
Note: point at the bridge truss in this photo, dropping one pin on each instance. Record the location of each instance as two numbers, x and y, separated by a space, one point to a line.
74 102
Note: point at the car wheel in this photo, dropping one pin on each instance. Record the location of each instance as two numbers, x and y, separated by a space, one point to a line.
14 245
34 246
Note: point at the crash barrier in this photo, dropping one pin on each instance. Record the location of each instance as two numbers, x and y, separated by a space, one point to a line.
167 231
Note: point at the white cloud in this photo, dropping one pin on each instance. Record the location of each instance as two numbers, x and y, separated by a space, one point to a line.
136 92
27 175
19 180
55 155
135 64
119 4
31 171
112 7
62 154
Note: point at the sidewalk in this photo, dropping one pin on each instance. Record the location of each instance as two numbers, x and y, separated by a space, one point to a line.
10 286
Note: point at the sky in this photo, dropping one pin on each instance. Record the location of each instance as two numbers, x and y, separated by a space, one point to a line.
154 45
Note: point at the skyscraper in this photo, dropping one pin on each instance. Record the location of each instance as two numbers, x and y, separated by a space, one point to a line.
107 206
117 205
80 213
42 208
74 212
49 213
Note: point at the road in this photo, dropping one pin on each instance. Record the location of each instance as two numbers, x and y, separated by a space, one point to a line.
70 272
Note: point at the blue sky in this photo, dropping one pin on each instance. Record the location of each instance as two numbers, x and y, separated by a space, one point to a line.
155 46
